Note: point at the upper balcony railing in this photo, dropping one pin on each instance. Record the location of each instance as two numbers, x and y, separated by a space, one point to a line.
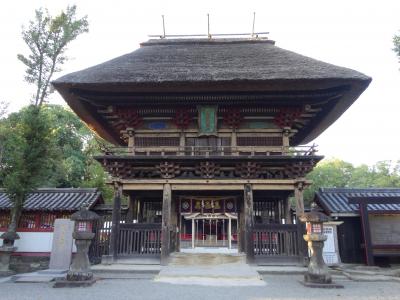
209 151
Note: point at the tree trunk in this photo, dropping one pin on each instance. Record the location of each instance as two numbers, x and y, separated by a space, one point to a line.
11 235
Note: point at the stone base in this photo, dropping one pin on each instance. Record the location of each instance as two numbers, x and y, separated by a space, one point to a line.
7 273
321 285
319 278
107 260
72 284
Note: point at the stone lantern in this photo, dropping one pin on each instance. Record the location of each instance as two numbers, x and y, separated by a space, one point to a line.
317 274
79 273
5 252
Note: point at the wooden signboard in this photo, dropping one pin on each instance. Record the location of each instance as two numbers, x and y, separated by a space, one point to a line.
385 229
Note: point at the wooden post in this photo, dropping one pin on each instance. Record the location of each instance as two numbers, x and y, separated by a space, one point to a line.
249 223
234 143
131 140
285 139
182 142
116 217
229 233
193 233
166 224
298 194
288 216
241 229
369 257
130 213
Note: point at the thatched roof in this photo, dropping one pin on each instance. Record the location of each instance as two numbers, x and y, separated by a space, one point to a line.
207 66
159 61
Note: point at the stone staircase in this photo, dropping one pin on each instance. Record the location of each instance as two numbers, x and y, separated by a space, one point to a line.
209 269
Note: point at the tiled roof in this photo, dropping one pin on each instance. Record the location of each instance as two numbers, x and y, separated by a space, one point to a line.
56 199
336 200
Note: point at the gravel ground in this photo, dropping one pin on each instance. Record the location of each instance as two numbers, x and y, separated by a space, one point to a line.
278 287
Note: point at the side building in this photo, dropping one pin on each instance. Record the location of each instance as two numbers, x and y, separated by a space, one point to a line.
208 136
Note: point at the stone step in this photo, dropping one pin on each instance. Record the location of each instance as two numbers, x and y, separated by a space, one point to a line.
179 259
209 269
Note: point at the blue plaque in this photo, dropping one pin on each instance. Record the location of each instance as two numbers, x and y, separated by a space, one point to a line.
157 125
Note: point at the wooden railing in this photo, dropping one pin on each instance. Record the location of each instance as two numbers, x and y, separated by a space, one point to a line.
276 240
139 239
207 151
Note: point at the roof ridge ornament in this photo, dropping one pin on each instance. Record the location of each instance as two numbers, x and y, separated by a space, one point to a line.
252 34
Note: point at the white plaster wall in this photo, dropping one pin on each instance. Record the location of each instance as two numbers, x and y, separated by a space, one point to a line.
35 242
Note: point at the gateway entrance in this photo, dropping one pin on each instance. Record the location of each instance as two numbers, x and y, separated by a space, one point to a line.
208 222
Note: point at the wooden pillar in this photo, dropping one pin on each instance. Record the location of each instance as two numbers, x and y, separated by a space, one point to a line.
285 139
241 229
249 223
369 257
131 212
229 233
166 224
193 233
234 143
288 215
298 194
116 217
182 143
174 225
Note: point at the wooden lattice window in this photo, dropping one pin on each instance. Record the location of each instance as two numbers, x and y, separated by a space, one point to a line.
4 220
27 221
211 141
157 141
261 141
270 211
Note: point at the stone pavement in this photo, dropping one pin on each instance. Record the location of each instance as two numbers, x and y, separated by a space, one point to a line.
284 287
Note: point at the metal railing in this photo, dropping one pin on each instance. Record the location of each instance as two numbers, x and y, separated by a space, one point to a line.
208 151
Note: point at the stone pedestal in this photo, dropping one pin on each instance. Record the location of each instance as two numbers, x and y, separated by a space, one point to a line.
79 273
318 273
5 256
317 270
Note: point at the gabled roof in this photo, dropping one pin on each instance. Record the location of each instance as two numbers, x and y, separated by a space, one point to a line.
56 199
336 200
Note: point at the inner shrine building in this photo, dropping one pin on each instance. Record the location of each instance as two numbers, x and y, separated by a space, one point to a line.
211 142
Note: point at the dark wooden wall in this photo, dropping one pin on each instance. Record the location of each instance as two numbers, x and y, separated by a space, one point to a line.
350 240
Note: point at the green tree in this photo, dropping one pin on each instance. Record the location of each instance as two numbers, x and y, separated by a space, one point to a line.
3 108
328 173
47 38
396 43
76 146
27 152
340 174
27 143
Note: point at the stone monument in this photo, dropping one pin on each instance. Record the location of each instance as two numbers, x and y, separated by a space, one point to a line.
79 273
61 250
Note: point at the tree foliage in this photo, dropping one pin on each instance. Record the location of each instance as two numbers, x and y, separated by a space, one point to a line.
27 152
3 108
396 43
47 38
340 174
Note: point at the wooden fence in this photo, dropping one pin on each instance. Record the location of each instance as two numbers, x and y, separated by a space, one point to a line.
139 240
276 240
